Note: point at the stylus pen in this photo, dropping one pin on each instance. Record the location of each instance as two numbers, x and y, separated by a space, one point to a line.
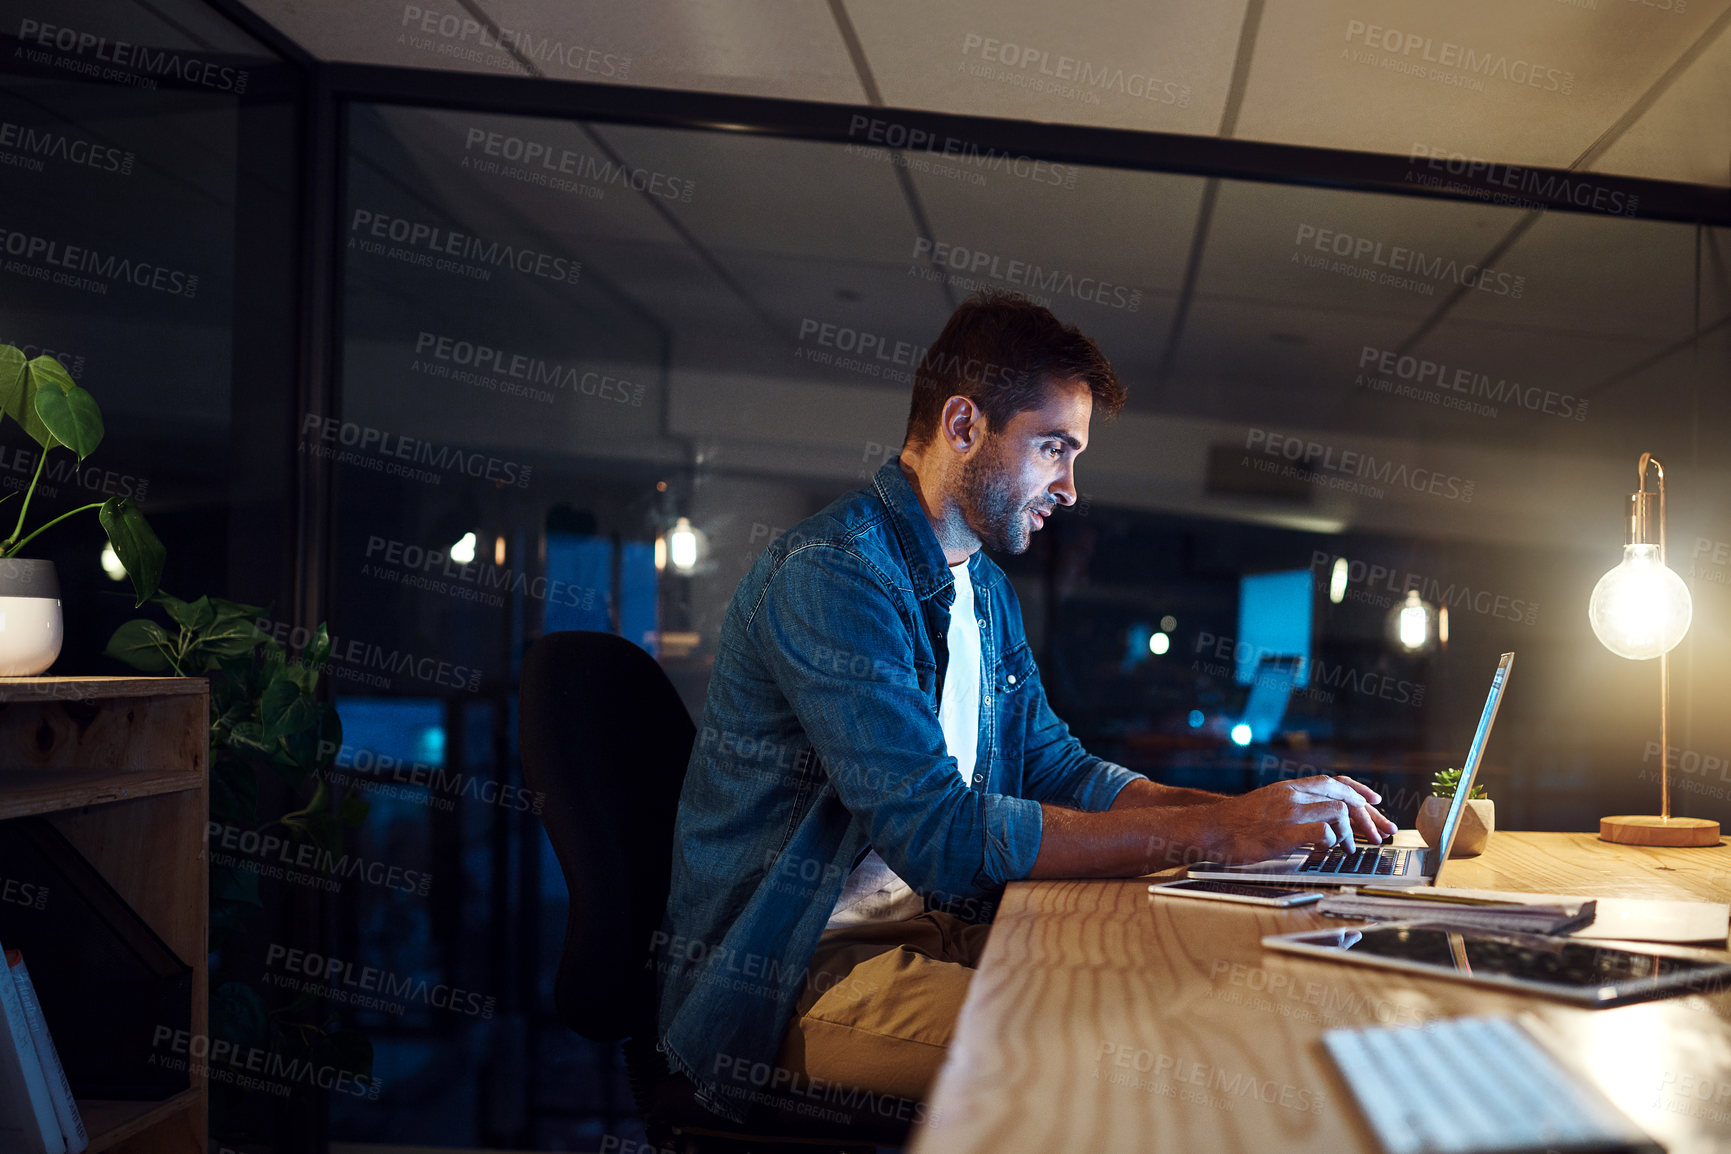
1428 896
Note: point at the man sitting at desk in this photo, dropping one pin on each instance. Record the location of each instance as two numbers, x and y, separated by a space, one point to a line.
876 740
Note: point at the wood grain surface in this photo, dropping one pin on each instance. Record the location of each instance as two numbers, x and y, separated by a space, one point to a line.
1102 1019
119 766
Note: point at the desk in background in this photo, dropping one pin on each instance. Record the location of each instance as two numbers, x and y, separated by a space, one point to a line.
1104 1020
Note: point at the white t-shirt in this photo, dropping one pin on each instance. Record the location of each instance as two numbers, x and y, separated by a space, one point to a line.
873 892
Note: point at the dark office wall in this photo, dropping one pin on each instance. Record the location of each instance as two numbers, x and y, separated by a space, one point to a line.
540 367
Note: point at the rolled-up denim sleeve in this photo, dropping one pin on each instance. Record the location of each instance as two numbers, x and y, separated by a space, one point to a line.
830 631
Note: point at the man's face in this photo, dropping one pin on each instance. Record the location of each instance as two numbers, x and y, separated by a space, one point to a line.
1018 473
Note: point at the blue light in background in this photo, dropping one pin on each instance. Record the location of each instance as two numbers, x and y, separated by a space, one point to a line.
585 565
432 746
1196 719
1241 734
1135 647
582 566
406 729
1273 621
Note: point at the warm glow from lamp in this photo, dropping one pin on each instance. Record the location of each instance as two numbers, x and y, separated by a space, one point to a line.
1640 609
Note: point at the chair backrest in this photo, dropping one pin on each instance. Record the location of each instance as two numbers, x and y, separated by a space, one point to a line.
605 738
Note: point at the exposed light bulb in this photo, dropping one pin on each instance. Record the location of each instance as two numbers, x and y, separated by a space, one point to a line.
1413 628
1412 623
1337 581
463 552
682 546
1640 609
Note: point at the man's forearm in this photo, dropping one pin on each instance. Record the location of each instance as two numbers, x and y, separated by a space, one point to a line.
1127 842
1134 837
1142 793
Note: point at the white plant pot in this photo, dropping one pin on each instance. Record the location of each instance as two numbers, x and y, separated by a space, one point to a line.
30 626
1477 821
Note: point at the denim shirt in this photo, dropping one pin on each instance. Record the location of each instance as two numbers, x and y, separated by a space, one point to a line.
819 740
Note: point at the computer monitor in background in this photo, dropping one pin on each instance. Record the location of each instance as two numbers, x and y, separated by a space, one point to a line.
1273 621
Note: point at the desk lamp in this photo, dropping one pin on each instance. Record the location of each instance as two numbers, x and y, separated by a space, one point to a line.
1640 610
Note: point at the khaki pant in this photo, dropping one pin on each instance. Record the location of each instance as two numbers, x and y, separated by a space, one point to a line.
880 1003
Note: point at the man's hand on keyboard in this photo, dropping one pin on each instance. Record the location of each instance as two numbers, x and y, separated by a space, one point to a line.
1279 818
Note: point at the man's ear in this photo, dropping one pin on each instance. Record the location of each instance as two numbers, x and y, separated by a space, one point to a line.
962 424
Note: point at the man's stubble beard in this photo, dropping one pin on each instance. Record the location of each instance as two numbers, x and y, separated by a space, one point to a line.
989 504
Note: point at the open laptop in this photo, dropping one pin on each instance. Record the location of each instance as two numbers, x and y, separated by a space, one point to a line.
1384 864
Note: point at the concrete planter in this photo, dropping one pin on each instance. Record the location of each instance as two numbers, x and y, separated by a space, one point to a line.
30 626
1477 821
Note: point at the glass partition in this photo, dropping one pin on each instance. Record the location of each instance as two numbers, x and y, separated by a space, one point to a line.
590 371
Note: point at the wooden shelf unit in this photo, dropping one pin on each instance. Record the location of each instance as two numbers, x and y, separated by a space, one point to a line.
118 765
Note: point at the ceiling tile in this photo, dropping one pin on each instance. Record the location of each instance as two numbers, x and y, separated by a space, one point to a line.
1162 67
1532 83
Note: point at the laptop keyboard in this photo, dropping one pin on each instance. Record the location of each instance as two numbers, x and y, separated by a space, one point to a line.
1375 861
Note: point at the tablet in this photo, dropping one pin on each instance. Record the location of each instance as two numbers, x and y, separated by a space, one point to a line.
1583 972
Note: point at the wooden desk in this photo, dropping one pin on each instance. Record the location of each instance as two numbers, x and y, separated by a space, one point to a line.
1104 1020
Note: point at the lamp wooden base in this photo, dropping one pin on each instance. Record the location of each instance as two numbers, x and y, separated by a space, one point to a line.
1626 829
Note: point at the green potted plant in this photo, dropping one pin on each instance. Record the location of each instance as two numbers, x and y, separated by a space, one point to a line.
1478 819
56 413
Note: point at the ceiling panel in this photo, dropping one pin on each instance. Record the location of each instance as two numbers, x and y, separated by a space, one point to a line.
1533 83
764 194
1594 274
1686 134
1526 84
1349 252
553 177
1129 228
1161 67
781 48
93 29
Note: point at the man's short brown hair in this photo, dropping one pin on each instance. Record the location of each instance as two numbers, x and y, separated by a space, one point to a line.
1002 351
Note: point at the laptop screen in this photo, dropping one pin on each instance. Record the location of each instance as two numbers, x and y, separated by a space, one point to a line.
1469 771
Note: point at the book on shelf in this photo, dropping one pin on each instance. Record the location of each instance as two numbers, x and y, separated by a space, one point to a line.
59 1089
110 987
27 1121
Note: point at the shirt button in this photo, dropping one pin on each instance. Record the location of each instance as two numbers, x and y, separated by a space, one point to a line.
1012 679
978 778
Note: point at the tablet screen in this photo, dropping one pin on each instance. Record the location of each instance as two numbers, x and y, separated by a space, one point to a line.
1596 972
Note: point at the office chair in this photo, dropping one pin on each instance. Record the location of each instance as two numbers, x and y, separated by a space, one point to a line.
605 739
